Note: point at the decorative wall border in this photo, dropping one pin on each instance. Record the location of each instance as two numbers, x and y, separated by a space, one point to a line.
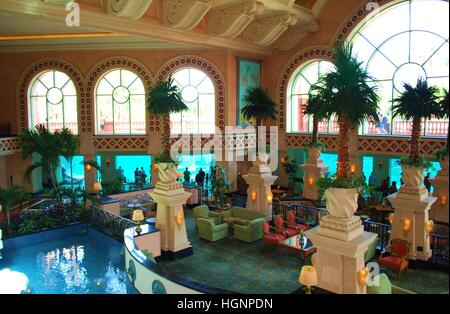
188 61
9 145
123 143
97 71
30 73
309 54
371 144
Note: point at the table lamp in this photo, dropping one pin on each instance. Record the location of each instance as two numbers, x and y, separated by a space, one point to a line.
138 217
308 278
97 188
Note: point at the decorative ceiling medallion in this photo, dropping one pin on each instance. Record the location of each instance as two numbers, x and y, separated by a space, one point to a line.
133 9
265 30
232 20
184 14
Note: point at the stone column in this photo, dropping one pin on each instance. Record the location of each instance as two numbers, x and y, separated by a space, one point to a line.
439 210
3 173
170 220
412 204
259 182
355 161
314 168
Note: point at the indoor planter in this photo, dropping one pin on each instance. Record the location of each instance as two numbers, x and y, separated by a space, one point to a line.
164 98
314 108
345 93
417 104
220 185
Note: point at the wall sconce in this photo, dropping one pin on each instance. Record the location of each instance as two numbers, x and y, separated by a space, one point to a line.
155 167
88 167
363 277
179 219
443 199
108 161
406 225
253 196
179 174
391 218
352 168
284 160
269 198
310 181
429 226
380 164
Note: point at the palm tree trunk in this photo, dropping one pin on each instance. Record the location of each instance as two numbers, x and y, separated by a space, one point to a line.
343 169
315 131
448 133
166 135
415 138
8 219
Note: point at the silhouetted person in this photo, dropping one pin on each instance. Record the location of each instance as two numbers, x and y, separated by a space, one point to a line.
427 182
385 186
393 188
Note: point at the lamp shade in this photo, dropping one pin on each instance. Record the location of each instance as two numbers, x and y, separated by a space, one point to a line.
97 187
308 276
138 215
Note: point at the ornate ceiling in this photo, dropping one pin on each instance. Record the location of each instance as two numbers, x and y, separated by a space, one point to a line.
258 26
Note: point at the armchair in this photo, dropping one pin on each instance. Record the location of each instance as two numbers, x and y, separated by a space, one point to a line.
203 211
209 231
270 234
385 287
293 224
250 232
282 227
396 256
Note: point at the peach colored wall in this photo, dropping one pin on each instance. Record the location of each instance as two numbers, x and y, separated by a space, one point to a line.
13 65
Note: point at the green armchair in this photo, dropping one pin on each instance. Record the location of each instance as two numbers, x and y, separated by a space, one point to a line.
240 216
250 232
385 287
203 211
371 251
209 231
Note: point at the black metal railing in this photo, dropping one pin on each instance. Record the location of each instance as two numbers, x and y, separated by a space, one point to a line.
439 249
239 200
305 215
109 223
382 230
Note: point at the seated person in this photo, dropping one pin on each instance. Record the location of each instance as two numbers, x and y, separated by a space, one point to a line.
393 188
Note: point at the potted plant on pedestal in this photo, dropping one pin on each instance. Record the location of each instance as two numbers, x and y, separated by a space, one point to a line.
314 109
258 106
164 98
417 104
345 93
220 185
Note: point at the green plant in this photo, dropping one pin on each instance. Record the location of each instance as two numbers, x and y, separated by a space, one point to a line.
290 167
162 158
10 197
317 144
444 108
346 93
220 185
164 98
348 182
314 108
417 103
113 187
419 163
441 153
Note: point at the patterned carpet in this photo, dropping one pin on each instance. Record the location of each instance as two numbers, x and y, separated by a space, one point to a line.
260 268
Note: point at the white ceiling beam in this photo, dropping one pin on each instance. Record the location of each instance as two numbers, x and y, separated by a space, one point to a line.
133 9
184 14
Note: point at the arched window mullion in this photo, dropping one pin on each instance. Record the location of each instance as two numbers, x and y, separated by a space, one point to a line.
436 51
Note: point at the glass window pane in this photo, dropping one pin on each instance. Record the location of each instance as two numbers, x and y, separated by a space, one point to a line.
438 64
61 79
301 86
137 114
70 113
206 110
430 15
114 78
196 77
104 115
421 53
47 79
396 49
380 67
363 49
121 118
137 88
181 77
104 88
55 117
38 89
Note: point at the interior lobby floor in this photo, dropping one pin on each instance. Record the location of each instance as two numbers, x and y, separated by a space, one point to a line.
261 268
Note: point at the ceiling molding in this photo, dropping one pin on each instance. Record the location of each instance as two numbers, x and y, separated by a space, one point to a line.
294 35
184 14
133 9
231 21
265 30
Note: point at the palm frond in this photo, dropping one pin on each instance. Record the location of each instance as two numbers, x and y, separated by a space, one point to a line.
258 105
165 98
30 169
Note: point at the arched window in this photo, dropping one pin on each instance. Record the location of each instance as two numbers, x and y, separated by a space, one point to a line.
197 91
120 103
298 90
401 43
53 101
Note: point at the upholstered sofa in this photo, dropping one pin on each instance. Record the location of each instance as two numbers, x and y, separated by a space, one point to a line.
208 230
385 287
247 224
203 211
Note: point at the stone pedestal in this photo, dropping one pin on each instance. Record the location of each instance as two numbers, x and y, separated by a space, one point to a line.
439 210
341 245
416 209
259 180
170 198
314 169
355 161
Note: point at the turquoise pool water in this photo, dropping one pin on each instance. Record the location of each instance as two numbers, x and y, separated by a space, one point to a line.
73 260
130 163
195 162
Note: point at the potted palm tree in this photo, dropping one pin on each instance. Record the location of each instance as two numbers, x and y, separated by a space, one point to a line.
314 109
416 104
164 98
10 197
258 106
345 93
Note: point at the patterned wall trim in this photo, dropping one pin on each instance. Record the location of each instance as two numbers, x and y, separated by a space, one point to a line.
372 144
30 73
357 17
87 109
204 65
313 53
9 145
122 143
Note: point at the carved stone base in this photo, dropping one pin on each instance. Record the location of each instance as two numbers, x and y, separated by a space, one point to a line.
415 193
440 209
341 229
259 188
313 170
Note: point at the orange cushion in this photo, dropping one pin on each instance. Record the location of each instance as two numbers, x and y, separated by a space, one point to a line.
393 262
